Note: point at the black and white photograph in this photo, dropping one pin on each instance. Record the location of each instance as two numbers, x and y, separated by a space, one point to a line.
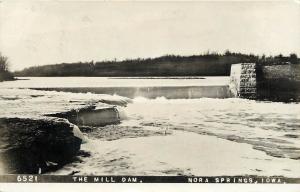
150 91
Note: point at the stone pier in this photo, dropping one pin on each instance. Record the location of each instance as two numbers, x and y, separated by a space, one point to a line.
243 80
275 82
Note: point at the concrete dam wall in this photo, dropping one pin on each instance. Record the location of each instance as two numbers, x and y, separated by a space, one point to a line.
172 92
275 83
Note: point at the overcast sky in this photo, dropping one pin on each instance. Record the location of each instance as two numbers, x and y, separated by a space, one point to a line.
38 33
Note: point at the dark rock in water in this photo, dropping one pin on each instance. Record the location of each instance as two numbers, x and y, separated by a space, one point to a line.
36 145
91 116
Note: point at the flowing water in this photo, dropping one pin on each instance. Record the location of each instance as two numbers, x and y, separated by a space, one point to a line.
180 136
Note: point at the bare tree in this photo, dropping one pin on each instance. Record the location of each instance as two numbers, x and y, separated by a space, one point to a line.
3 63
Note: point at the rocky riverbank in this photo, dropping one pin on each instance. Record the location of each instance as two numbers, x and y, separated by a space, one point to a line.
39 131
37 145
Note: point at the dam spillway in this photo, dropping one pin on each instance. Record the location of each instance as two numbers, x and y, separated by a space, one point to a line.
172 92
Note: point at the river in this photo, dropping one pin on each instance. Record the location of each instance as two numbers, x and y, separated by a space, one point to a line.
174 136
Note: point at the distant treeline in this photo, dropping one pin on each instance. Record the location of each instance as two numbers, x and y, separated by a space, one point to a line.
4 72
208 64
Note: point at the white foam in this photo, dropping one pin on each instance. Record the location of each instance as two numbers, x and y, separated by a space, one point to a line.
181 152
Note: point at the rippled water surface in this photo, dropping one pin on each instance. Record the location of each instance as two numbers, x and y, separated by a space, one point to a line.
270 127
197 137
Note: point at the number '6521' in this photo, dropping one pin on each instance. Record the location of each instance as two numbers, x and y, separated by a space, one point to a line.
27 178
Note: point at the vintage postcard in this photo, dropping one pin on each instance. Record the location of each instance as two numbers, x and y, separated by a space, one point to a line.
118 92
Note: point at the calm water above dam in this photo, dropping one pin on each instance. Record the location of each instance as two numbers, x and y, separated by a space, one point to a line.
42 82
149 87
161 136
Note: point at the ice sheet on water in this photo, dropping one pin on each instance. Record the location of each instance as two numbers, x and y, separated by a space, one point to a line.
27 102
